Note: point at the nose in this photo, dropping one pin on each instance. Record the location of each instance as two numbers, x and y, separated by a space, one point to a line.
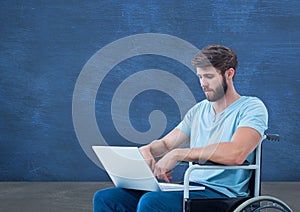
203 83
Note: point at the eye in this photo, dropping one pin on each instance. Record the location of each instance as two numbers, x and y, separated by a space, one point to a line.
209 76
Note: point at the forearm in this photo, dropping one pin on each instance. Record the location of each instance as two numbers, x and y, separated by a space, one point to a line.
173 140
233 152
223 153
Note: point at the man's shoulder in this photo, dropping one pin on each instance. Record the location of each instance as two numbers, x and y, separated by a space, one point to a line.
249 100
202 104
199 106
252 103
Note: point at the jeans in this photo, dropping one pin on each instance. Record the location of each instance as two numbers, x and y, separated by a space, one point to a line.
119 199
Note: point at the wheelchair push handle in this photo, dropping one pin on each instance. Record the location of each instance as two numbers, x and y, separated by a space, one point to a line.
272 137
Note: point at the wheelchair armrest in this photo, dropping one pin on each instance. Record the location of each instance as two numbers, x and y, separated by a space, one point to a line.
213 166
211 163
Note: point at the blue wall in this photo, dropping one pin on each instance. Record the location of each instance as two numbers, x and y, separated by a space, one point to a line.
45 45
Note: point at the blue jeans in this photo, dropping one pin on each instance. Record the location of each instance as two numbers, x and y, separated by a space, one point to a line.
118 199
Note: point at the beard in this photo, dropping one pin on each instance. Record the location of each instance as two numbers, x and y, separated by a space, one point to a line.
218 93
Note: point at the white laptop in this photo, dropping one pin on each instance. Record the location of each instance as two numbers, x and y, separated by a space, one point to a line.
128 169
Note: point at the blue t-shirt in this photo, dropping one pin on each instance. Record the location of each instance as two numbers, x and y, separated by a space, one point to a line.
204 127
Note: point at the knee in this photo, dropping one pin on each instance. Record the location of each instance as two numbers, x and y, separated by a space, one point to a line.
100 201
151 202
97 196
97 201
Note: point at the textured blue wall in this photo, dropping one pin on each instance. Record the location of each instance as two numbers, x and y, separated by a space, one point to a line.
45 44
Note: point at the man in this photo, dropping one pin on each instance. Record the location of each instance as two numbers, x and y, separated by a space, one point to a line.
225 128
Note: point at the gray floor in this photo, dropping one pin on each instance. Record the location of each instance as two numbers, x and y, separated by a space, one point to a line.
77 196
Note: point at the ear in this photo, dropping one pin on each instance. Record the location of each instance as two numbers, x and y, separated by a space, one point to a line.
230 73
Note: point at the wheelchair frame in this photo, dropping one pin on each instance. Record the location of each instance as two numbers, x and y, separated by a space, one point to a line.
252 203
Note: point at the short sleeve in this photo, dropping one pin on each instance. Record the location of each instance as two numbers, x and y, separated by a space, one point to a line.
186 124
254 115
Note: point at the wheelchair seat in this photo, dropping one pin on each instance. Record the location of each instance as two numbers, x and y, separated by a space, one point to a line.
254 202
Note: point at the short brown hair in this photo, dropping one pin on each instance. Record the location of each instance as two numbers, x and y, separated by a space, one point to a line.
220 57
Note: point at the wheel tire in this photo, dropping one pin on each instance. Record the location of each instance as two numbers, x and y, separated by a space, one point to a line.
259 203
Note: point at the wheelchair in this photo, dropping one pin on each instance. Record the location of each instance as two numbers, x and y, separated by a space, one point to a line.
252 203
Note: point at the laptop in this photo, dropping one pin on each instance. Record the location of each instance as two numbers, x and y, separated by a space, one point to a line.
128 169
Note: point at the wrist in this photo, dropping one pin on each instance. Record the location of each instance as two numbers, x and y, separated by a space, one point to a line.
189 154
179 154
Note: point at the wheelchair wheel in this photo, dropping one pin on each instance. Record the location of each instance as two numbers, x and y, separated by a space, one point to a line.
263 204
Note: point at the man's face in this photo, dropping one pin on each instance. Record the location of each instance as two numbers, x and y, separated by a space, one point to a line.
212 82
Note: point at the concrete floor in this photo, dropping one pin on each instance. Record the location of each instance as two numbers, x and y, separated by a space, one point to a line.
77 196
